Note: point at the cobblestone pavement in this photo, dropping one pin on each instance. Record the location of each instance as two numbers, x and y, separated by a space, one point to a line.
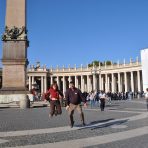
123 124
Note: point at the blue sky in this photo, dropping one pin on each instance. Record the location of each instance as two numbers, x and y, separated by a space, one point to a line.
63 32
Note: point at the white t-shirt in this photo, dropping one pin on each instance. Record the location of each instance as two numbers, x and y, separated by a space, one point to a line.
102 96
92 96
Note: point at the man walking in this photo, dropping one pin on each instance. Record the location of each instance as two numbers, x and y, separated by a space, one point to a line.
74 98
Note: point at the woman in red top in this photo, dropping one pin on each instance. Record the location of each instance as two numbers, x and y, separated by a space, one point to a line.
55 95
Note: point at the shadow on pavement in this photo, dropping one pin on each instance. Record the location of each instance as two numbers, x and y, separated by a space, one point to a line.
105 123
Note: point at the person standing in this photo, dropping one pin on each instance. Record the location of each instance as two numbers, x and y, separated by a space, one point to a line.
146 97
102 97
33 92
74 98
92 98
109 97
55 95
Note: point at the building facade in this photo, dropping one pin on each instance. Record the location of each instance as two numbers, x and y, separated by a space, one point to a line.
115 78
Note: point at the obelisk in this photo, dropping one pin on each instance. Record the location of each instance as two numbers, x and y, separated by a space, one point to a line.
14 56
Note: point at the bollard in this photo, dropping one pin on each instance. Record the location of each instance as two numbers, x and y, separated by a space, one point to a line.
24 102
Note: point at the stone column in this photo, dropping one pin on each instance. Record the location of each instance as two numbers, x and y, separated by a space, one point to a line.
76 81
102 79
132 82
121 80
51 80
64 85
94 82
113 83
79 83
45 83
85 86
106 83
42 84
128 82
29 83
125 81
119 83
88 83
58 82
32 81
82 83
138 80
100 82
69 79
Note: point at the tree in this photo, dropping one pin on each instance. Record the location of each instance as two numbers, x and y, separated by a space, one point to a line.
108 63
96 63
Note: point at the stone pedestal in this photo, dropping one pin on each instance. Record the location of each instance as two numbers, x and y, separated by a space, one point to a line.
14 57
7 98
23 99
24 102
14 65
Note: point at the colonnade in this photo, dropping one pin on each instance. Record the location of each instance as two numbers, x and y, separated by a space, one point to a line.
43 80
115 82
114 78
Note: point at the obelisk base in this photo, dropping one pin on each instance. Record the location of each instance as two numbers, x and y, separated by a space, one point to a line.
21 97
